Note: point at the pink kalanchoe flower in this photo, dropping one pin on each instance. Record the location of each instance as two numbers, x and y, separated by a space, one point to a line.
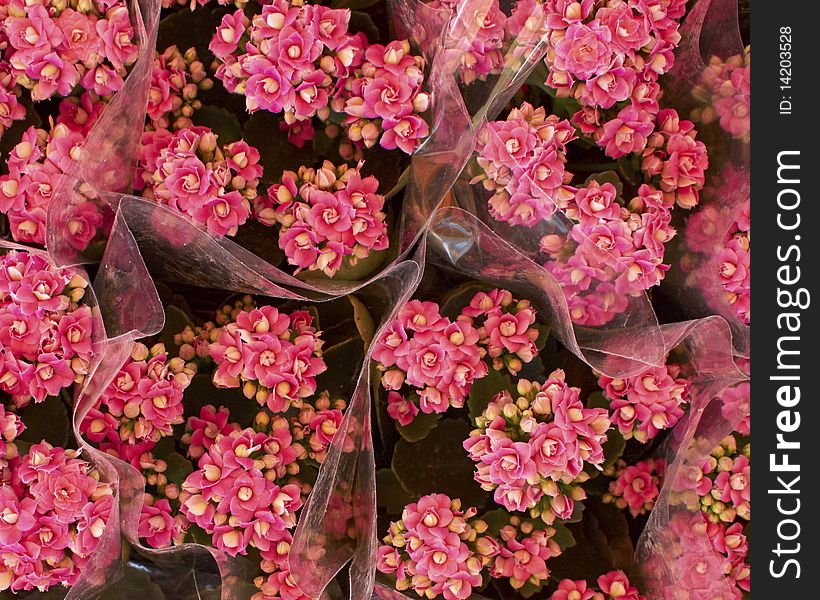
190 172
275 357
56 505
573 590
327 217
637 486
645 404
617 586
432 360
584 51
557 434
47 332
201 431
238 495
156 523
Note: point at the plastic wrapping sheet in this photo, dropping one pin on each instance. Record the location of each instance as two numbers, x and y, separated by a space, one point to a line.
674 552
149 241
132 308
710 31
105 173
104 562
461 241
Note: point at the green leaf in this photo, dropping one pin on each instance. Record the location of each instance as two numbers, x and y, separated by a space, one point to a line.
597 400
184 28
364 268
613 447
608 177
496 519
602 544
390 494
543 335
456 299
343 363
47 420
360 22
178 469
363 319
202 391
175 321
222 121
419 428
439 464
275 152
136 584
563 536
483 390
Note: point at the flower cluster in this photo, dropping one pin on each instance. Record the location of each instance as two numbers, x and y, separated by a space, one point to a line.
718 244
325 216
646 404
612 252
292 57
732 548
522 160
675 159
10 427
637 486
35 165
437 548
724 95
176 80
429 362
603 53
11 109
55 46
710 555
531 449
524 547
608 55
273 356
54 512
299 59
437 358
45 330
613 585
189 171
724 483
238 493
384 101
480 54
142 403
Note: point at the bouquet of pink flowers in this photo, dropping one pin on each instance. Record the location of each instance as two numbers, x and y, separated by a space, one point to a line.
379 299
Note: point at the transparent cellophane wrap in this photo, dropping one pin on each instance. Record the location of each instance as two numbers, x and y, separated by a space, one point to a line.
150 242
